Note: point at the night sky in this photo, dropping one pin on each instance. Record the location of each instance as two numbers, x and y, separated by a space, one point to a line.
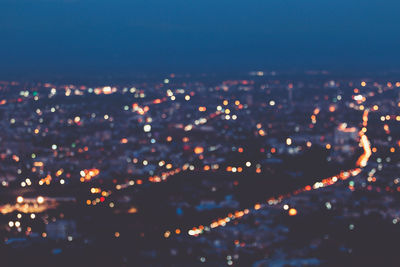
98 36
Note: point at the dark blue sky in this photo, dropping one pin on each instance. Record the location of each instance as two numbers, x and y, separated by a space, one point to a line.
98 36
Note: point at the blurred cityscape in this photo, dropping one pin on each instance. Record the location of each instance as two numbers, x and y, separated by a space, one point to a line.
265 169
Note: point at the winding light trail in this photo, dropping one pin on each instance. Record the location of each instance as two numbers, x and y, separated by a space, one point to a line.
343 175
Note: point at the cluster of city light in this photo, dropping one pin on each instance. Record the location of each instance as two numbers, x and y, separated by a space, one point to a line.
103 194
163 176
390 117
361 162
140 110
260 130
363 159
87 175
201 121
195 231
314 115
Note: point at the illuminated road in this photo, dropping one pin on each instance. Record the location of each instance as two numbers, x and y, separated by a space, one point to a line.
361 163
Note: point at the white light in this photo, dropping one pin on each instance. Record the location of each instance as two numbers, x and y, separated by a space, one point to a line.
40 200
20 199
147 128
288 141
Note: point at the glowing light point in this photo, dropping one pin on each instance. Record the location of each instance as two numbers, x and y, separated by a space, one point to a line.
20 199
198 150
40 200
292 212
147 128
